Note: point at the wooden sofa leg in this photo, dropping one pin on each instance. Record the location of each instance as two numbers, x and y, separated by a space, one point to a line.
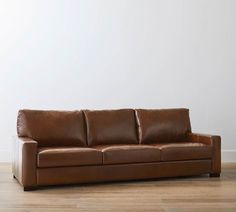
14 176
214 174
30 188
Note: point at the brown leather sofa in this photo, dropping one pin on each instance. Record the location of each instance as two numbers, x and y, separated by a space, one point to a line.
70 147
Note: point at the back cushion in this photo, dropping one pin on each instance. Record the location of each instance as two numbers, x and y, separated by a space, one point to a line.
111 127
52 128
165 125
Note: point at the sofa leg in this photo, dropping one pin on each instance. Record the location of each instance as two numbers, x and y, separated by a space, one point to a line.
214 174
30 188
14 176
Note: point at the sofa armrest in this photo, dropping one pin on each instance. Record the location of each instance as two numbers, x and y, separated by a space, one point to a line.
215 142
24 161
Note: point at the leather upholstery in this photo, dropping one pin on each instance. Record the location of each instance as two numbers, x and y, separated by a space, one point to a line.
215 142
111 127
24 164
121 154
68 156
184 151
165 125
52 146
88 174
52 128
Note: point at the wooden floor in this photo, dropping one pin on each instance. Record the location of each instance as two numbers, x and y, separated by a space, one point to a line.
200 194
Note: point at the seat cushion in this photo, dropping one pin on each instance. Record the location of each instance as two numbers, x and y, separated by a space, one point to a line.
68 156
122 154
111 127
184 151
52 128
164 125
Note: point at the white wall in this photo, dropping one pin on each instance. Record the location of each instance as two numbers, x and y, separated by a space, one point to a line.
71 54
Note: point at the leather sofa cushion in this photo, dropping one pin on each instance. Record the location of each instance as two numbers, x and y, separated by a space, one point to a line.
124 154
111 127
164 125
68 156
52 128
184 151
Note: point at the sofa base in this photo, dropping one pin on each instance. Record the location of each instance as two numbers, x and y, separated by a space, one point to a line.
105 173
30 188
214 174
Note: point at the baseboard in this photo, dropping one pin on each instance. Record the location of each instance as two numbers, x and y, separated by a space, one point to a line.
226 155
5 156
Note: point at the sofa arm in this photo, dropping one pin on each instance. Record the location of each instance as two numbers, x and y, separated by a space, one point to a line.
24 161
215 142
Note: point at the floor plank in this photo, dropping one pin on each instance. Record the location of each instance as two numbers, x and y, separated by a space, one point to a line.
195 194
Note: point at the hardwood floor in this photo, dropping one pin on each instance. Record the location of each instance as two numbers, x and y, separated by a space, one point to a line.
200 194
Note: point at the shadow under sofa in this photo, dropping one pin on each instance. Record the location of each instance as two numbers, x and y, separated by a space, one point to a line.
70 147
